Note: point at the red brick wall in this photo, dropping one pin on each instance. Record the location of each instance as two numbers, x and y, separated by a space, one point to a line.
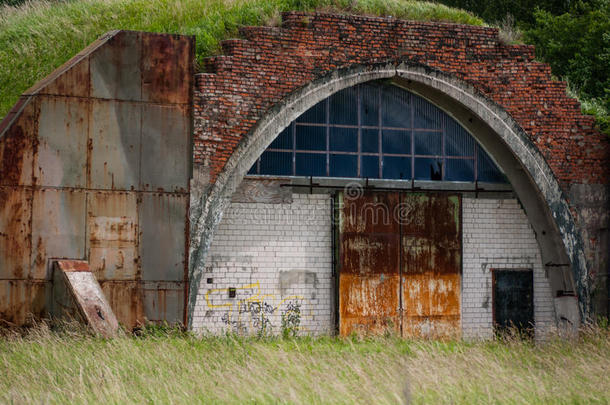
270 62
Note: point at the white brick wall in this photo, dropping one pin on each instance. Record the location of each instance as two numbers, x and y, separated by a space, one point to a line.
497 234
278 257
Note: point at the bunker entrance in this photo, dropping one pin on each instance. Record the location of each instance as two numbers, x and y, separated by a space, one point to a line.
399 267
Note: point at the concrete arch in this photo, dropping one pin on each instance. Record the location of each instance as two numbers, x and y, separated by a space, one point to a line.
531 177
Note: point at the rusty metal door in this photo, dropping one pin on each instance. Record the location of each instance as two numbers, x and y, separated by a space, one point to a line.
400 257
431 260
369 279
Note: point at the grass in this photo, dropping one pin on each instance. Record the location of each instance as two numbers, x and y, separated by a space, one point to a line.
167 367
38 36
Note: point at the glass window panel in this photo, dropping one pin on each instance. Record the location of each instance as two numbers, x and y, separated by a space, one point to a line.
283 140
254 168
428 169
310 138
396 167
458 142
369 108
343 139
428 143
277 163
395 107
459 169
370 140
315 115
394 141
369 167
344 107
487 170
310 164
343 165
425 114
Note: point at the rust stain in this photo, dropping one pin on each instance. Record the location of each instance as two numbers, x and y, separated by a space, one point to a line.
402 274
126 299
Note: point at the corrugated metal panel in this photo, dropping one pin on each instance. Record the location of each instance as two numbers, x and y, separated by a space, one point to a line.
21 299
115 68
62 160
164 301
115 145
58 228
162 236
112 228
167 69
165 148
15 230
17 147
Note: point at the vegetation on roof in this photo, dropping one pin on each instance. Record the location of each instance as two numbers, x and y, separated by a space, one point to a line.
38 36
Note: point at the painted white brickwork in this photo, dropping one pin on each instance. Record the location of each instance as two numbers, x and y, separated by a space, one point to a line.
278 259
497 234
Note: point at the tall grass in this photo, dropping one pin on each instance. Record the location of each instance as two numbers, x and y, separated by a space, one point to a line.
49 367
40 35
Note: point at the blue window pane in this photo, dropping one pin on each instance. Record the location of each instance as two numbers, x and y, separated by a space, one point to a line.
310 138
369 167
459 169
344 107
283 140
425 114
396 141
395 107
315 115
254 168
277 163
487 170
396 167
428 169
311 164
428 143
343 165
458 142
343 139
370 140
369 108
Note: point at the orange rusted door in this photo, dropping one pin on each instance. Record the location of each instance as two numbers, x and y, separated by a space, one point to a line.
431 259
369 279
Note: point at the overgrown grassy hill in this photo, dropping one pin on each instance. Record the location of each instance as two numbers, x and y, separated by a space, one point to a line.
40 35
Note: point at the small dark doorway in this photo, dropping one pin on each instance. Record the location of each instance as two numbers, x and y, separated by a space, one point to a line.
513 300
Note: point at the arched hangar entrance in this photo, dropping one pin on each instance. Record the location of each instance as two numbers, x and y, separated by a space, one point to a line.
480 211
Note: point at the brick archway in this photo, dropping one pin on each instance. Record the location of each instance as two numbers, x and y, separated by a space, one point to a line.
522 117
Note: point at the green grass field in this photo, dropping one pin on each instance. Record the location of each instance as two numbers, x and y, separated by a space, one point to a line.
49 367
39 36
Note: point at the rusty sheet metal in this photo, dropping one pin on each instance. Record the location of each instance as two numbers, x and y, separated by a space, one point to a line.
164 301
77 295
166 139
58 228
167 68
126 299
163 232
22 299
114 146
369 280
17 146
61 160
115 68
15 230
431 258
112 234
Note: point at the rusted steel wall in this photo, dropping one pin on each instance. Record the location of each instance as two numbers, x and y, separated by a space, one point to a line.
400 264
95 164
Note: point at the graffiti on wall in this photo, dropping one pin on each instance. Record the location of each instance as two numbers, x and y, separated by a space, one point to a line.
252 312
